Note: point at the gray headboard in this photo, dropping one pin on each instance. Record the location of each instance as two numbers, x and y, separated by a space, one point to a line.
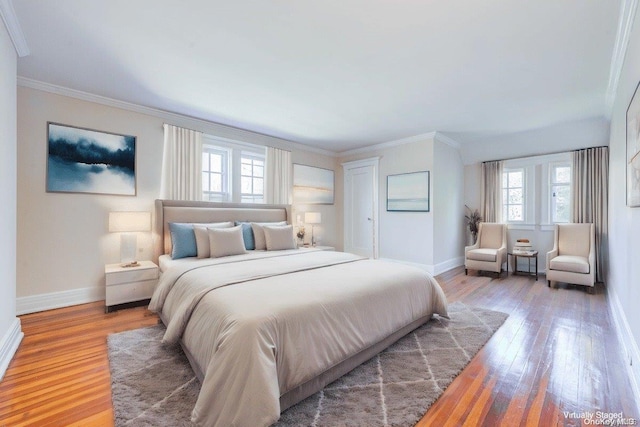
187 211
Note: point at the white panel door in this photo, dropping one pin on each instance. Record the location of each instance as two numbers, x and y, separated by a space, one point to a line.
361 210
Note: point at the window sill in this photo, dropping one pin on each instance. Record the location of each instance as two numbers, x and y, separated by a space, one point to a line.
513 226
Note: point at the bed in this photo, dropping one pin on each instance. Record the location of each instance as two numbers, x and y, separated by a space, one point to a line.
266 329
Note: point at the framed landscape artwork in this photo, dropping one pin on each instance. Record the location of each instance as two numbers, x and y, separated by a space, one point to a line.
633 150
408 192
312 186
89 161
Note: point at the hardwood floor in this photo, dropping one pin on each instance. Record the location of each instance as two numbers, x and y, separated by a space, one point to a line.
556 352
60 374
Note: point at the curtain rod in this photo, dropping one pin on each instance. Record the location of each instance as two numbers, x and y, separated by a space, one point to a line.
545 154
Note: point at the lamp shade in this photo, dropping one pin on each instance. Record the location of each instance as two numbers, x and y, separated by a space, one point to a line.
313 217
129 221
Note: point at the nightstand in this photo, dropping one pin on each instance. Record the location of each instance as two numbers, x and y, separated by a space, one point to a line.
129 286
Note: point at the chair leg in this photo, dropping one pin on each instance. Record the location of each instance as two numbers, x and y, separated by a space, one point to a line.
591 290
549 283
465 271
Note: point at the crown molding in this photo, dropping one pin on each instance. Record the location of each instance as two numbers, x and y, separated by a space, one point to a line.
389 144
215 129
14 29
398 142
219 130
447 140
625 24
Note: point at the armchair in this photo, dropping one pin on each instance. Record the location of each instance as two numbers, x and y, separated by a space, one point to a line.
490 250
573 257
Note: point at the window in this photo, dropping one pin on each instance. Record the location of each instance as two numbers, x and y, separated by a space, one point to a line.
513 195
215 175
560 192
232 171
252 178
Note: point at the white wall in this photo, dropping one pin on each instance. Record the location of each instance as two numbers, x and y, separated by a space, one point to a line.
63 241
565 136
10 332
411 236
448 207
404 236
328 233
623 278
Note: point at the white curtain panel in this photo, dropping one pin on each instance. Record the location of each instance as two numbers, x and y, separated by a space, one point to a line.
181 164
278 179
591 196
491 192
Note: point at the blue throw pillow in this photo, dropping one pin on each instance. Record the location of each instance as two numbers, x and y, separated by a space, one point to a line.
183 240
247 235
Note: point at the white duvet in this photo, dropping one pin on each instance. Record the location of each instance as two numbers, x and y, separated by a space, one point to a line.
261 324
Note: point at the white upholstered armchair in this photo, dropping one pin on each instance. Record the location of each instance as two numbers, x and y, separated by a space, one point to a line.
490 250
573 257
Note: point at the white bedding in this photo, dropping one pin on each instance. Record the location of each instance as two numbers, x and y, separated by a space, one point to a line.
261 324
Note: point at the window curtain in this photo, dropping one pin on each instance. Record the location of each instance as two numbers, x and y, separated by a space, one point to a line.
278 178
181 164
491 191
590 197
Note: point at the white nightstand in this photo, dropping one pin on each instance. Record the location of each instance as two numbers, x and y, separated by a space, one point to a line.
127 285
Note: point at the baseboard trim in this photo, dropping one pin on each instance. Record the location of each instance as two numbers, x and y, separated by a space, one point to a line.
448 265
632 353
9 345
434 270
42 302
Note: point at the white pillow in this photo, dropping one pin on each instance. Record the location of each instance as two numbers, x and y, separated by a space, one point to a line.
258 233
226 241
279 238
202 237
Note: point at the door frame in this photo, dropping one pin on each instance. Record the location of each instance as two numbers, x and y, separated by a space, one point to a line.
347 167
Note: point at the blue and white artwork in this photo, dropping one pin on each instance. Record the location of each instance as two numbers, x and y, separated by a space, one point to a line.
88 161
408 192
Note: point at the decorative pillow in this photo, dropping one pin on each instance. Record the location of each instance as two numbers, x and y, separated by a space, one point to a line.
226 241
247 235
202 237
279 238
258 233
183 240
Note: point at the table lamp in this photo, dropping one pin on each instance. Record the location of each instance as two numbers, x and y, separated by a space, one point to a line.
128 224
312 218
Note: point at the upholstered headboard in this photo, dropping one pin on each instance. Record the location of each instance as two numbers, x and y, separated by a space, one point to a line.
186 211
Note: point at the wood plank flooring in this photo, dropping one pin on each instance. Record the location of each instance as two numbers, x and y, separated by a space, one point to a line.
556 352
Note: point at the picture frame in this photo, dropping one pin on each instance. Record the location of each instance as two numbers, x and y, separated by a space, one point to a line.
633 150
409 192
313 185
81 160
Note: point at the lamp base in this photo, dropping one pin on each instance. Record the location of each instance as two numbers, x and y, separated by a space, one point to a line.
130 264
128 247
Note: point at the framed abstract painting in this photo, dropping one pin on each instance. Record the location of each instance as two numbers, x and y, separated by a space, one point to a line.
633 150
83 160
312 185
408 192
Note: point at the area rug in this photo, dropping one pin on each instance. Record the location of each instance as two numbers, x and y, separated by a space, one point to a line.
153 385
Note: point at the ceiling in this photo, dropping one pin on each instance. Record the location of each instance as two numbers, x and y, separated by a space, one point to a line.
333 74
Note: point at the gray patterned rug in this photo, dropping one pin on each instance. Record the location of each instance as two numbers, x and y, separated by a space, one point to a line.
153 385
